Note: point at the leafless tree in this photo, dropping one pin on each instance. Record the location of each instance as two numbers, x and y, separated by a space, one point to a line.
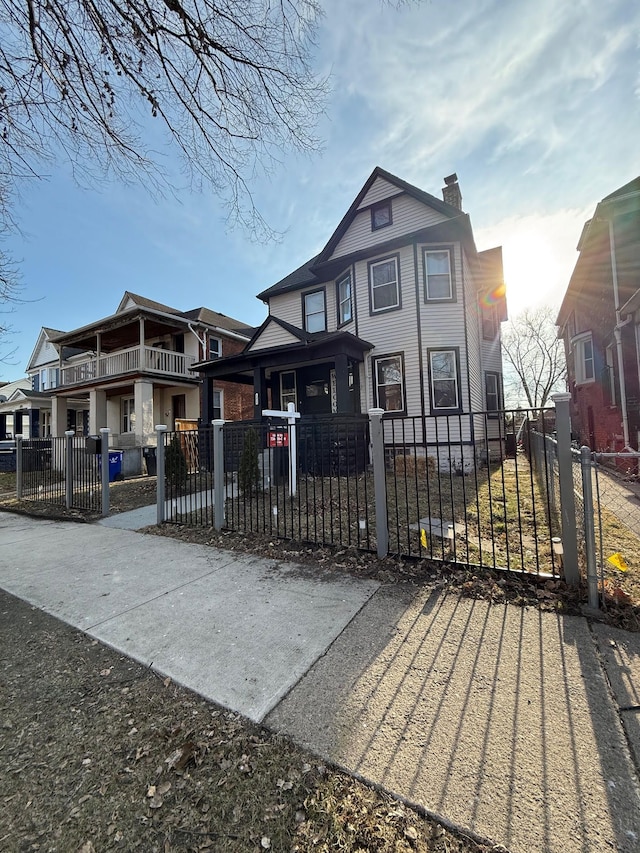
535 364
230 82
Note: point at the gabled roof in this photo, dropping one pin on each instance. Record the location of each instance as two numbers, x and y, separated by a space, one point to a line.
302 335
420 195
144 302
45 334
220 321
319 267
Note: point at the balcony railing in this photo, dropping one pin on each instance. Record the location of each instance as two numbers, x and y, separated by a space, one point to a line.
155 360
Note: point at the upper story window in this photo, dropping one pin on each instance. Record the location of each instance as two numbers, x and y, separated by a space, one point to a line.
381 215
215 347
583 358
344 299
489 323
217 405
314 310
48 379
384 285
388 373
438 278
445 385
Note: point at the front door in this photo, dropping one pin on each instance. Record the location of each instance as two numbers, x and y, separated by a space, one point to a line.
315 389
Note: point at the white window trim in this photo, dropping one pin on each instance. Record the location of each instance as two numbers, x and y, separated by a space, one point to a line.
372 286
220 393
128 411
219 342
579 361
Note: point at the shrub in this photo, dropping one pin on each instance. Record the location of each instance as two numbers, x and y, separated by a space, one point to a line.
249 471
175 465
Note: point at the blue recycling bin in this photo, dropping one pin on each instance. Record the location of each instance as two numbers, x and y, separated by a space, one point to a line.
115 465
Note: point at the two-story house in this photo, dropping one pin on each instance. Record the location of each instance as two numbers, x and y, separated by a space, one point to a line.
399 311
599 322
132 370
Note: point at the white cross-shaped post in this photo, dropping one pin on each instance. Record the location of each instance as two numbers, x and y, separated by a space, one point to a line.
291 416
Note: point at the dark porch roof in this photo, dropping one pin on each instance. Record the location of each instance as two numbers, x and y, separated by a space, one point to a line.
318 347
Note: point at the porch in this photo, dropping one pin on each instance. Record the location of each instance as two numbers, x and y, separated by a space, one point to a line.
137 359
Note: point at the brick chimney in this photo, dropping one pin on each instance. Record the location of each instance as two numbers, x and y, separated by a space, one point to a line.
451 191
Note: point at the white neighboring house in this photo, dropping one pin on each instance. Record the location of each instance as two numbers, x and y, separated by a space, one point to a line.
130 371
399 311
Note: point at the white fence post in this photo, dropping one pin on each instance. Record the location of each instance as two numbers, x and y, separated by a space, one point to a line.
160 493
104 472
218 475
567 497
379 481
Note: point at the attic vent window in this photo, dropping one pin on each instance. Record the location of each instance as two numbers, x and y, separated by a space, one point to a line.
380 215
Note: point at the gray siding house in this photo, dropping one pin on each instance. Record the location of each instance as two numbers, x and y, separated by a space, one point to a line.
398 311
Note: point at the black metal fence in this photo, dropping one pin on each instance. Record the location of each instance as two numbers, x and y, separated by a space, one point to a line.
467 494
458 488
60 471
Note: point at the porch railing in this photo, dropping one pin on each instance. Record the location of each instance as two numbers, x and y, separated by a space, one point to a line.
155 360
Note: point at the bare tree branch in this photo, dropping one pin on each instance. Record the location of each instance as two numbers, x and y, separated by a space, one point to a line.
534 357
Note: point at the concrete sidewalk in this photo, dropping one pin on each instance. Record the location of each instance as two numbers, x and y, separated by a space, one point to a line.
511 723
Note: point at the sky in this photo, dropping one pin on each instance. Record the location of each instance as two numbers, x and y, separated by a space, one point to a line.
535 104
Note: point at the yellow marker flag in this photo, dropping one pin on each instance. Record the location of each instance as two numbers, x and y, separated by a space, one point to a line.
423 538
618 561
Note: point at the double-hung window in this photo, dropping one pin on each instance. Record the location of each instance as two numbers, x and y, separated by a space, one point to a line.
217 405
314 311
438 278
492 392
583 358
443 375
343 292
489 323
128 414
215 347
388 378
384 285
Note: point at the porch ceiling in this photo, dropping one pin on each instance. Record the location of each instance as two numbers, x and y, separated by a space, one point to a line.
119 332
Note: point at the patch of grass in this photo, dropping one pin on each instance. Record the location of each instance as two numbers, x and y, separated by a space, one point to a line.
7 481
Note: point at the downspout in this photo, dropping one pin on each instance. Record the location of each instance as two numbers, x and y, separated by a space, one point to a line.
618 336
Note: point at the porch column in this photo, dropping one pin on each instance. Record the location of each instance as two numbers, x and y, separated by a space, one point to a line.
143 408
142 360
58 416
97 411
259 392
3 426
343 398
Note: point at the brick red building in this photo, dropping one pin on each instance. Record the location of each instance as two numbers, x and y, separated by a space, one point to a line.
599 322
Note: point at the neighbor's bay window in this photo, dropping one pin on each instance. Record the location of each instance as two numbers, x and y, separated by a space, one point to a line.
388 378
443 376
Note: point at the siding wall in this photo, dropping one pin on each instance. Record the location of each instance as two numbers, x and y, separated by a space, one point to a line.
408 215
274 336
